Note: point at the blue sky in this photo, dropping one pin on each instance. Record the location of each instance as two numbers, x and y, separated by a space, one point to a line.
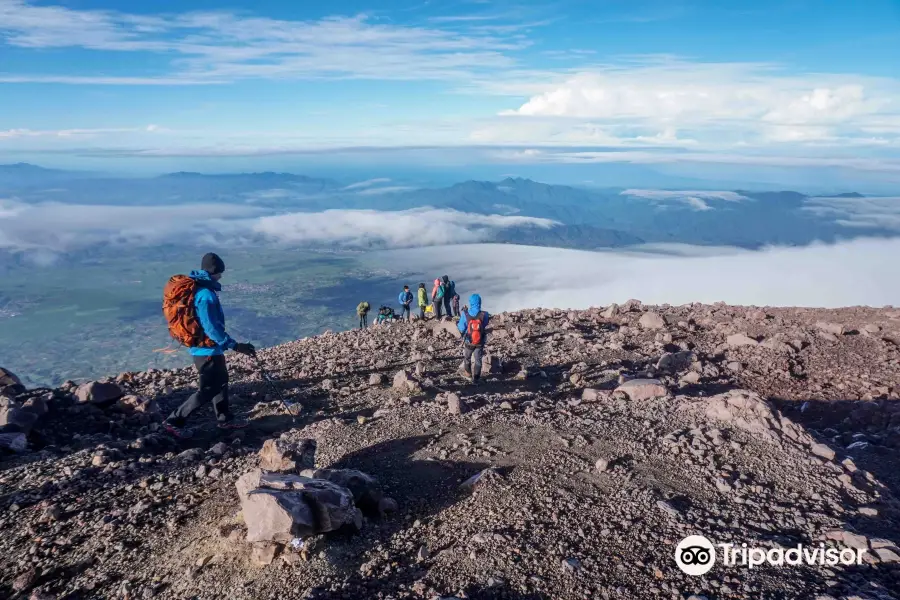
795 84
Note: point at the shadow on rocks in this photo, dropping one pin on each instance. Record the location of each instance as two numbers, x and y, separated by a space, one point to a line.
866 433
422 489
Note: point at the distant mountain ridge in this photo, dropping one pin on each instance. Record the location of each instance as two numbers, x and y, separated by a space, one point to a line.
589 217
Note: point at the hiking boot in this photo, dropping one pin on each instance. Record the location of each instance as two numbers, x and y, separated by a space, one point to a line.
476 381
233 424
180 433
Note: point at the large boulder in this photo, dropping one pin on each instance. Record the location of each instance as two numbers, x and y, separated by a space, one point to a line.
10 385
16 419
279 507
643 389
676 361
832 328
288 456
366 490
741 339
98 392
14 442
652 320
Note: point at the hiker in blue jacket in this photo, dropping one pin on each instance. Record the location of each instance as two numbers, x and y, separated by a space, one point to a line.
405 299
473 323
209 361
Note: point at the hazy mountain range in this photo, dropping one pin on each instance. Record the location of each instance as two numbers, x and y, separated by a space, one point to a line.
548 215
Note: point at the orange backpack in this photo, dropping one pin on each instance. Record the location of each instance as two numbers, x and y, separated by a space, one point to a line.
474 330
179 310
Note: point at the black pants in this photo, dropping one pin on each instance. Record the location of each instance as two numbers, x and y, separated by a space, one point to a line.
422 312
404 314
363 321
448 309
437 304
472 360
212 386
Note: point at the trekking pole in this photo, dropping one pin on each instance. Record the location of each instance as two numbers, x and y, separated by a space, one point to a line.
270 383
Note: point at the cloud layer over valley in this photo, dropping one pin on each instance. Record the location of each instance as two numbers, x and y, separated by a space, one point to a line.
57 227
860 272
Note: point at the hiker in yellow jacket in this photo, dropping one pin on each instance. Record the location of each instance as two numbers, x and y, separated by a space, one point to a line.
422 300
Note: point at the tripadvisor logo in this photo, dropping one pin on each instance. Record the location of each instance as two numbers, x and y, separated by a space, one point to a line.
696 555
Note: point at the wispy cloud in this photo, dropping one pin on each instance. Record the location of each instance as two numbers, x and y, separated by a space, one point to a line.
70 133
535 155
59 227
697 200
515 277
367 183
212 47
390 189
403 229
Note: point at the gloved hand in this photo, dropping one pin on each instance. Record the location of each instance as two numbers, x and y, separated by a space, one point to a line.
245 348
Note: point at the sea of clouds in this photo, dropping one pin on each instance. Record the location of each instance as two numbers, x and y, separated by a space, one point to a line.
510 277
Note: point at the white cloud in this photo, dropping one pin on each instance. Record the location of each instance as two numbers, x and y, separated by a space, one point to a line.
57 227
515 277
718 104
405 229
868 213
367 183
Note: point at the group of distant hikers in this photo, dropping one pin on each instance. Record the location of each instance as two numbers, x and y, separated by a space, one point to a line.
444 300
196 320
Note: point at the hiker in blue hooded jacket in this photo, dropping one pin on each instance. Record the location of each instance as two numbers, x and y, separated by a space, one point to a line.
209 360
473 323
405 299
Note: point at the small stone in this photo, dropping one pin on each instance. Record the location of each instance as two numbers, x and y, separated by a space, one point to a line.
454 404
601 465
570 565
887 555
422 554
264 553
823 451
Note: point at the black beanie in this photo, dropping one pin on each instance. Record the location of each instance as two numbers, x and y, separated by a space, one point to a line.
212 264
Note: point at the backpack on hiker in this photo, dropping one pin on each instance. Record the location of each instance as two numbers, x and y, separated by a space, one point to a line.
475 330
181 313
385 313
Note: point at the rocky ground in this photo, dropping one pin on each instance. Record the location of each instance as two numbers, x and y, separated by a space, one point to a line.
598 441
